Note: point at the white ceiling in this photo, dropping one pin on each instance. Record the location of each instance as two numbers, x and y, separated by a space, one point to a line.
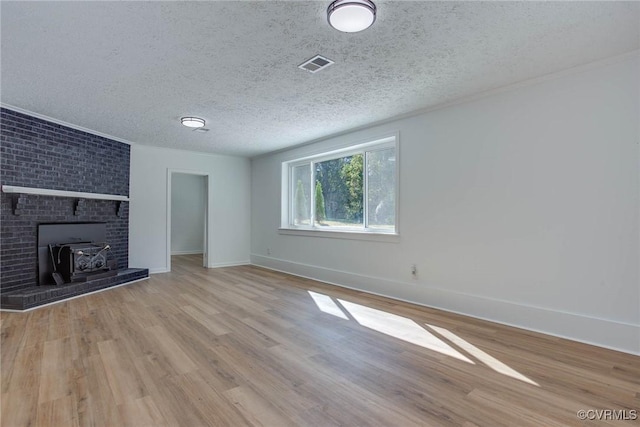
132 69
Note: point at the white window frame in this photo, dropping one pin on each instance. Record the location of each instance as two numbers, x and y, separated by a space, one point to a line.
358 233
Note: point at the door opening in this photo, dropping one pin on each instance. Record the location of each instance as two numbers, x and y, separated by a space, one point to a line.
187 218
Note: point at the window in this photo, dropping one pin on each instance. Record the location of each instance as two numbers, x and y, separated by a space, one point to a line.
352 190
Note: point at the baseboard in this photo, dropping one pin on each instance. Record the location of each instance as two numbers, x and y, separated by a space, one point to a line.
605 333
161 270
228 264
196 252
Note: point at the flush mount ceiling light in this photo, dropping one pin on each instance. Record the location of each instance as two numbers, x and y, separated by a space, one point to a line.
192 122
351 16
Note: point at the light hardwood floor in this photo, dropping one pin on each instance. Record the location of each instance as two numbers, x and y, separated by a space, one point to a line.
244 346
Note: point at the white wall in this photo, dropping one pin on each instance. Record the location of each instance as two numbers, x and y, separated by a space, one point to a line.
188 196
520 207
229 216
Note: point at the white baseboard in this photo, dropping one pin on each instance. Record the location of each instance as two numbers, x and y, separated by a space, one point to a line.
196 252
161 270
228 264
605 333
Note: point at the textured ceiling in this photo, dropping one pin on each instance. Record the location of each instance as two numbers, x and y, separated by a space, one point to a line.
132 69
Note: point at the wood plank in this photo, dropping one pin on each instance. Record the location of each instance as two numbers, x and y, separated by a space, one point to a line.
169 349
19 408
256 409
142 411
60 412
54 374
245 346
209 322
120 372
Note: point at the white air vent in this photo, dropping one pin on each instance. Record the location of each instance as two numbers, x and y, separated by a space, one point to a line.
315 64
203 130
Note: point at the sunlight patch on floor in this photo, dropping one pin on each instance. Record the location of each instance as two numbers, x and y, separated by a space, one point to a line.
327 305
399 327
485 358
406 329
386 323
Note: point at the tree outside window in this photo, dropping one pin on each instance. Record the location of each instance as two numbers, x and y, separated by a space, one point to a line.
353 191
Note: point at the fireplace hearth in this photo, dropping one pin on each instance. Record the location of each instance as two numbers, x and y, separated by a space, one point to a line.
73 259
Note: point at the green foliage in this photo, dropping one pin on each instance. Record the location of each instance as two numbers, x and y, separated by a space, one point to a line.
351 174
320 209
301 203
338 198
334 189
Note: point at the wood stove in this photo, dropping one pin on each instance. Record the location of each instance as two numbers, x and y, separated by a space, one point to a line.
73 252
79 261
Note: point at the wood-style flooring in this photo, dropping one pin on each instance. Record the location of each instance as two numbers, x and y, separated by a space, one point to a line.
245 346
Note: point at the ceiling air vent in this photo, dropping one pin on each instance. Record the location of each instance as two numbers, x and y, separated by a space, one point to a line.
203 130
315 64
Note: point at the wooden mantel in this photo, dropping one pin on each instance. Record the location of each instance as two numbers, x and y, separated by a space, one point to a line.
62 193
77 195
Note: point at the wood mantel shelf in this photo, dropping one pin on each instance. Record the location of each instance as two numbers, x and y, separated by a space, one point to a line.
62 193
18 192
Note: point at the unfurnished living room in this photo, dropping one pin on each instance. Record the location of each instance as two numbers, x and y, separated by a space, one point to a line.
320 213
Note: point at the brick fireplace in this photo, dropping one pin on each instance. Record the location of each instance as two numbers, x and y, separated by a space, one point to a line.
35 153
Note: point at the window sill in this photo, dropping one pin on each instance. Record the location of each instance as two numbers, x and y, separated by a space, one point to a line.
342 234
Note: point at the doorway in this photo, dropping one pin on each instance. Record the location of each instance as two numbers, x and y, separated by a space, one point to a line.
187 218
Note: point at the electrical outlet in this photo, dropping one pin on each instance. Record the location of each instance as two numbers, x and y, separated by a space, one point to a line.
414 271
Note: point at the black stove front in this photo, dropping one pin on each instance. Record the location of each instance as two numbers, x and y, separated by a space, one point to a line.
73 252
79 261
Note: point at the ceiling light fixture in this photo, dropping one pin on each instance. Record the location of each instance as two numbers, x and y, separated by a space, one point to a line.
192 122
351 16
